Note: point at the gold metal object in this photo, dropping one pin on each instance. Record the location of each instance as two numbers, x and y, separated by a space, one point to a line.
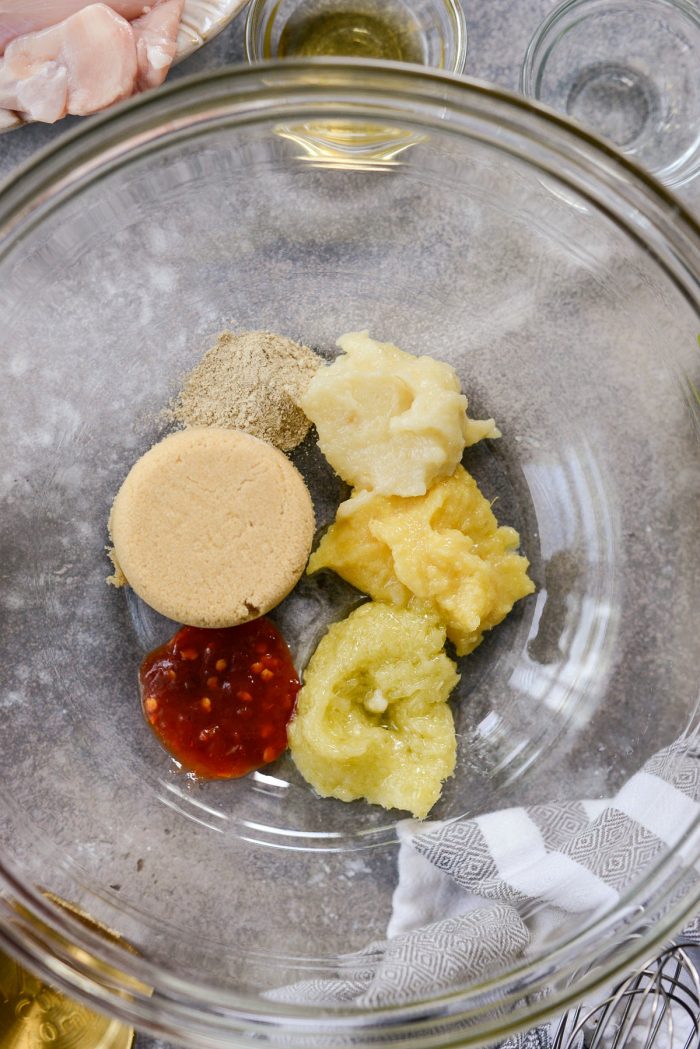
36 1016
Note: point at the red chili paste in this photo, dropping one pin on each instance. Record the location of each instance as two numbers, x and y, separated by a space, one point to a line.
220 700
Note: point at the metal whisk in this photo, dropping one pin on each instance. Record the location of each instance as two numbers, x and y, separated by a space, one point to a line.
658 1005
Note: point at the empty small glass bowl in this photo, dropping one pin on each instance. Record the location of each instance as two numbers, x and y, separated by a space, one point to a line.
425 32
628 70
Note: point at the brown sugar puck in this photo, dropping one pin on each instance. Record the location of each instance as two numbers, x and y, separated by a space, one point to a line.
212 527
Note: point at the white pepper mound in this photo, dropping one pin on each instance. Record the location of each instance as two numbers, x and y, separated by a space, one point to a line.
212 527
250 381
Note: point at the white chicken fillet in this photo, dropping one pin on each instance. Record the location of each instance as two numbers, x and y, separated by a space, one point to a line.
26 16
88 61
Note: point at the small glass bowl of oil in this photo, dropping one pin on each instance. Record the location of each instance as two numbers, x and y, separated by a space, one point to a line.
425 32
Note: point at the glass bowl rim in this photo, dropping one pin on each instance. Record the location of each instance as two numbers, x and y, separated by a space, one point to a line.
425 99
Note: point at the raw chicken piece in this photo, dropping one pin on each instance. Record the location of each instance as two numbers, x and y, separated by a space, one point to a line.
81 65
7 119
156 41
26 16
88 61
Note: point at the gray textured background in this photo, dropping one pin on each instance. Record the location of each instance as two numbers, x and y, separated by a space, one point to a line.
499 31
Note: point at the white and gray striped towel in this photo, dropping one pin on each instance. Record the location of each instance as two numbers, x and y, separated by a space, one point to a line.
476 895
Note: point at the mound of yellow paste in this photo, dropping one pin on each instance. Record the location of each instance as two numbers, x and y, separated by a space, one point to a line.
443 552
387 421
372 719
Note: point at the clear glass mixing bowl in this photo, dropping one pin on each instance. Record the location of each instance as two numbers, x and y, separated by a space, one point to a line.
562 284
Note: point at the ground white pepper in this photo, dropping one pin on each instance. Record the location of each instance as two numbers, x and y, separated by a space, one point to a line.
251 381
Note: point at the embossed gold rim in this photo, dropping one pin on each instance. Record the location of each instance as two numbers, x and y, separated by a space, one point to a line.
34 1015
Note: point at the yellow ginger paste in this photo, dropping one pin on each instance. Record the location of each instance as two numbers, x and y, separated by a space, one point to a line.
372 719
443 553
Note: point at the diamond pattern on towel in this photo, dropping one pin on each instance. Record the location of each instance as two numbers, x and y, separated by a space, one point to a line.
559 823
460 850
678 765
446 955
439 957
614 848
542 862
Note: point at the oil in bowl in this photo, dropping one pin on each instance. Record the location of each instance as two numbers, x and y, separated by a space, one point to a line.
371 30
423 32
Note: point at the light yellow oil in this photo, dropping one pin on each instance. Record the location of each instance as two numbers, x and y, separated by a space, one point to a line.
361 30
